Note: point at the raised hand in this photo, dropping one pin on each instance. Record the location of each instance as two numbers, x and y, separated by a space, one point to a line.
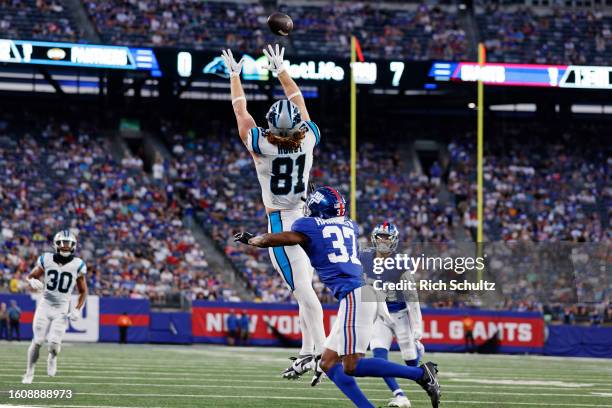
233 67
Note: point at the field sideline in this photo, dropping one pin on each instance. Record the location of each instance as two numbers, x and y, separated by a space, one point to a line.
105 375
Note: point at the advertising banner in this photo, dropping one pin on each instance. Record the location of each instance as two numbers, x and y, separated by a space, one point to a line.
275 324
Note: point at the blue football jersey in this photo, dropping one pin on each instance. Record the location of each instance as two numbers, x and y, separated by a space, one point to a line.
395 299
333 252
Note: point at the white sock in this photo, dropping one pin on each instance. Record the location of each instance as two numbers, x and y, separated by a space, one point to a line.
33 353
307 342
311 314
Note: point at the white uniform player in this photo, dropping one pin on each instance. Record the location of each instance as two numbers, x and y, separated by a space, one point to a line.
283 156
59 272
405 322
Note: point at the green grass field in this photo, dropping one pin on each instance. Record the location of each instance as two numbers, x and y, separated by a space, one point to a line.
211 376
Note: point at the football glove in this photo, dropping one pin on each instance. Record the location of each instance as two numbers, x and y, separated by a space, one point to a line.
75 314
233 67
275 58
243 237
36 284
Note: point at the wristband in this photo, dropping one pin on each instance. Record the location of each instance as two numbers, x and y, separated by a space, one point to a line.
240 98
293 95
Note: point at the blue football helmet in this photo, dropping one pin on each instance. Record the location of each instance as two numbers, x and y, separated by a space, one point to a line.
283 118
325 202
385 237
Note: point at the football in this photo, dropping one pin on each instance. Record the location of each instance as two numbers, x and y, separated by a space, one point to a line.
280 24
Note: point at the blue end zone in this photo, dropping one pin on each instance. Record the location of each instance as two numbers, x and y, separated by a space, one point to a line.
276 225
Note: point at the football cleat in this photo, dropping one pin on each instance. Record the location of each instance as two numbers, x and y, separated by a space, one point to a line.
300 365
28 377
430 384
399 401
51 366
318 372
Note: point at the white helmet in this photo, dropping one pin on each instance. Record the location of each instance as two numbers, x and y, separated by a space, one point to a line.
283 117
64 243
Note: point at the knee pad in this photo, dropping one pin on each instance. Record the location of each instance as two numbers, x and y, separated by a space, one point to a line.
33 352
54 349
34 347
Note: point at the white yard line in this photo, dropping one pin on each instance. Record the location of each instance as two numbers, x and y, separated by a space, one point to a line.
560 384
267 378
274 387
552 380
207 366
281 381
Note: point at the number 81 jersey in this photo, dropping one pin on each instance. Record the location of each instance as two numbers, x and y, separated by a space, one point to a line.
60 278
283 173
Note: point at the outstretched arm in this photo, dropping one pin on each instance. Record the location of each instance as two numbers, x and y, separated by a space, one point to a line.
292 90
272 240
243 118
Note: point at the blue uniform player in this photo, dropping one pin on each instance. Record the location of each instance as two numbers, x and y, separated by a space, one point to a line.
405 322
330 241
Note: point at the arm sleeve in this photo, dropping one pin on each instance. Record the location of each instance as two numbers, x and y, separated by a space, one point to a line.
315 130
82 270
254 138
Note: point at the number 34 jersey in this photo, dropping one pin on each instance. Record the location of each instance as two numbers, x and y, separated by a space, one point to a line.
60 278
332 249
283 173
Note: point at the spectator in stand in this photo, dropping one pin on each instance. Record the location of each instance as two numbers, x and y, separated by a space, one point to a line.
40 20
422 33
570 35
130 230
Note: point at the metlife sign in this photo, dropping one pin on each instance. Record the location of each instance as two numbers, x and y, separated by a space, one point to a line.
315 70
254 69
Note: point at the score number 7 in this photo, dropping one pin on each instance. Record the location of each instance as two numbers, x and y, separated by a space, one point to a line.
397 67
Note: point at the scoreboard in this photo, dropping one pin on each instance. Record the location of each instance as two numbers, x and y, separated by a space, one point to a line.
394 74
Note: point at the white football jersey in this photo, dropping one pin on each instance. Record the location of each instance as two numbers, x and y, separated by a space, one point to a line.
60 279
283 174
